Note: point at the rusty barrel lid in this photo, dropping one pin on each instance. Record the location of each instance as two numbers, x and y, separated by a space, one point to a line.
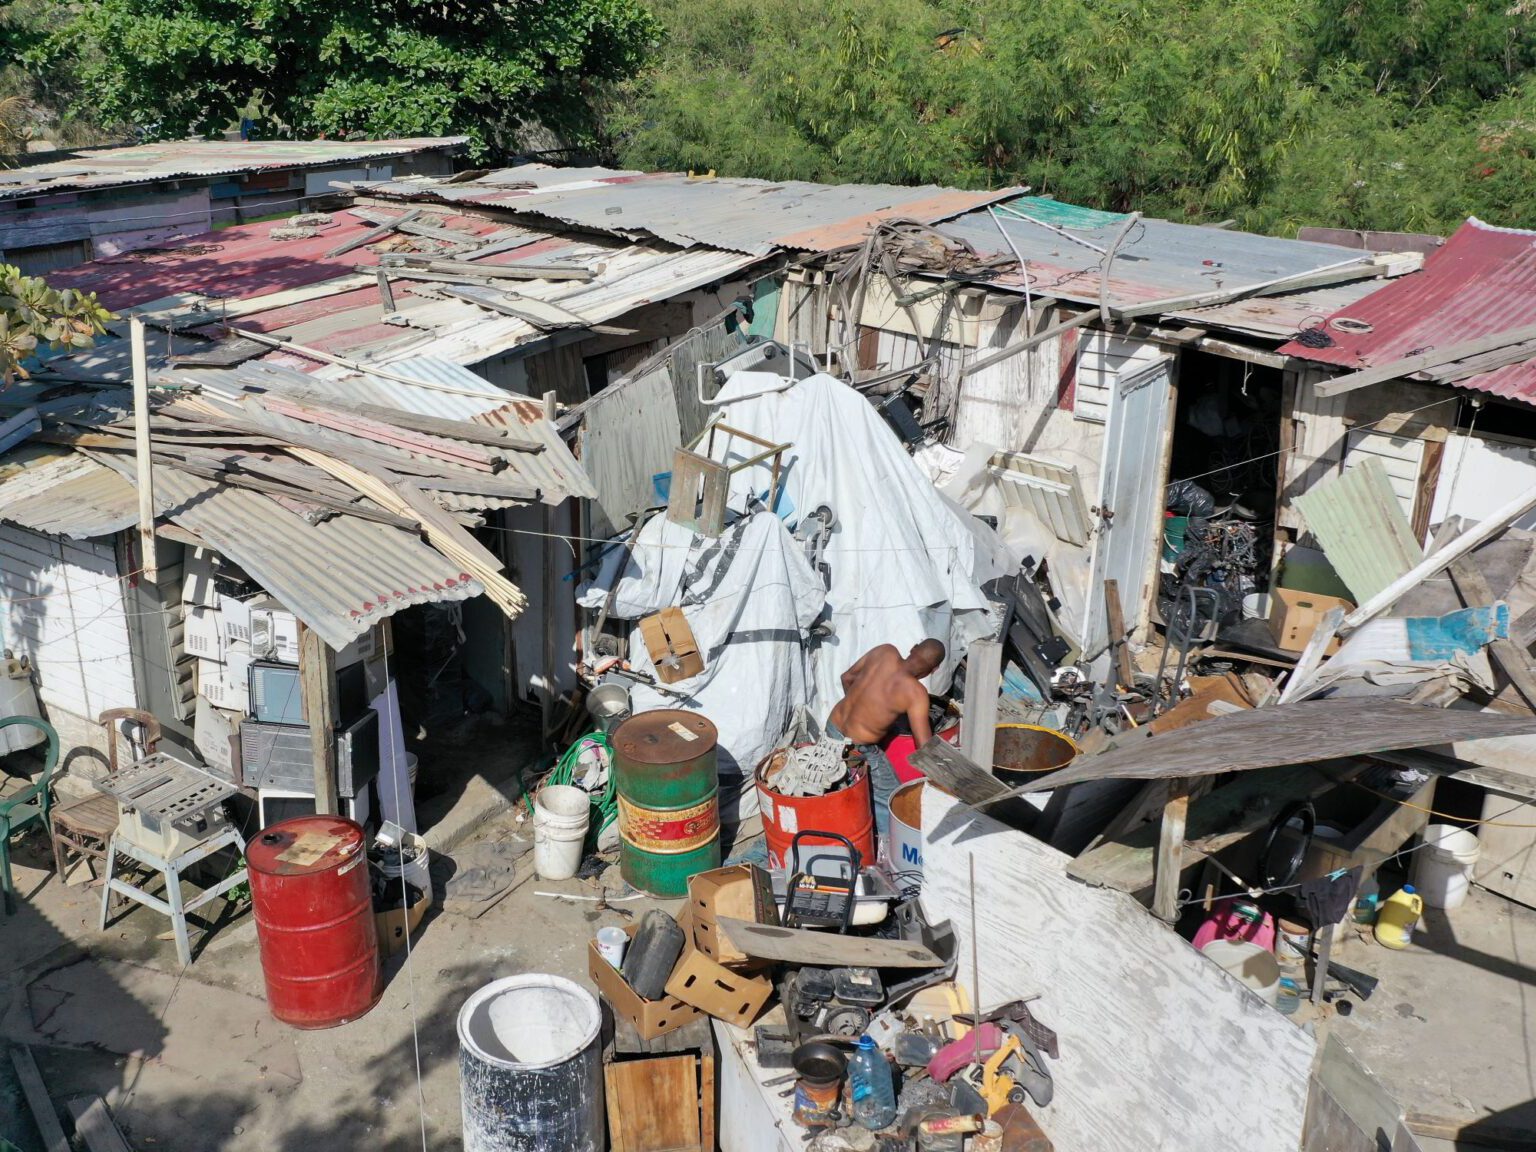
304 845
665 736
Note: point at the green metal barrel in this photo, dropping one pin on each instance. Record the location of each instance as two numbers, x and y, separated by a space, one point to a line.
669 799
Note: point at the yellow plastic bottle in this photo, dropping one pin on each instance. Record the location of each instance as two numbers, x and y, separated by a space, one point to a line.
1399 913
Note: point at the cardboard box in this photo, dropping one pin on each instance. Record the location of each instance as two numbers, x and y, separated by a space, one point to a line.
651 1018
742 892
735 997
1294 616
397 923
673 650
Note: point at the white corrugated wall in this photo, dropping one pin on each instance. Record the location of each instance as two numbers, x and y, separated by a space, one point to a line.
63 607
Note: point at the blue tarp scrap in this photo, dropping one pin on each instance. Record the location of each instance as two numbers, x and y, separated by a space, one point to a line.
1437 638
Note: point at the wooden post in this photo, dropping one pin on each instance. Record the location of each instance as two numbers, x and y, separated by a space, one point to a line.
1114 614
317 676
983 680
1170 852
145 473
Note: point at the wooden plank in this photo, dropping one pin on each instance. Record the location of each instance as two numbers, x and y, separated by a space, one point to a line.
983 682
93 1124
1407 365
1514 663
36 1092
373 234
1170 852
947 767
499 271
1306 668
386 292
1217 821
1147 1026
1118 640
317 678
806 946
143 468
1471 1133
707 1092
653 1104
492 436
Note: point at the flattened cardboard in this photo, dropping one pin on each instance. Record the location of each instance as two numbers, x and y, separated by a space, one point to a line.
671 645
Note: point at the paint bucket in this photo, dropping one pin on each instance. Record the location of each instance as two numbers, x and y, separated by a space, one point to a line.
560 816
611 943
849 811
530 1067
1256 967
904 839
1442 869
1029 749
413 861
1175 528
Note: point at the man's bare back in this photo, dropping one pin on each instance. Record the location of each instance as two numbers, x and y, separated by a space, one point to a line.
881 687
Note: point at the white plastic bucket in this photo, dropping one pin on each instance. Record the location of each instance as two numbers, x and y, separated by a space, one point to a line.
417 872
1254 965
1442 869
560 815
1256 606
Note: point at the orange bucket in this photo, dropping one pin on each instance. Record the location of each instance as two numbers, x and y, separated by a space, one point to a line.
848 812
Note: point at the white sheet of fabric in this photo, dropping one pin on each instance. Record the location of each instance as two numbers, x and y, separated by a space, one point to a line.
749 598
1378 653
394 776
903 561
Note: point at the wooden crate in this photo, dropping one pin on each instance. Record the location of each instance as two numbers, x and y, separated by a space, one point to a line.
661 1093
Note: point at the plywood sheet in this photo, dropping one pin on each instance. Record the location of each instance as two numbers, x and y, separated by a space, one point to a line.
1160 1049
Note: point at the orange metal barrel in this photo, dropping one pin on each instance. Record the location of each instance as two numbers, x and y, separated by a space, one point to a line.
848 812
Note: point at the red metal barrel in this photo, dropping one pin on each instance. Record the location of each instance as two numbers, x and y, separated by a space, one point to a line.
849 811
314 919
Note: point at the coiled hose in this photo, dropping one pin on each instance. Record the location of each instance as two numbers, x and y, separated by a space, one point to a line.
606 803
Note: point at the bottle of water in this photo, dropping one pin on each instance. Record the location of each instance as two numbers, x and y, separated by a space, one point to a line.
871 1087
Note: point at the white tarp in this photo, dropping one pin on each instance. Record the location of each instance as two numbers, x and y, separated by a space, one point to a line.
903 561
750 597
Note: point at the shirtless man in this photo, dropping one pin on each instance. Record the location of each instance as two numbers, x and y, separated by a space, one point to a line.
878 690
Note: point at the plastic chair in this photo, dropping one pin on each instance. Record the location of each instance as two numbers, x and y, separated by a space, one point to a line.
29 806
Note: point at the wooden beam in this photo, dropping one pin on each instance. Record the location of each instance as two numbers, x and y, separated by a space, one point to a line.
317 680
1170 852
1515 664
1471 1132
386 292
1078 321
373 234
144 467
36 1092
983 682
949 768
498 271
1312 655
1437 561
1118 642
1358 269
491 435
1407 365
94 1125
380 370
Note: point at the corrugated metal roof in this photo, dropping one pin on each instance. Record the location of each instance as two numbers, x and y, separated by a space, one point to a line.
757 217
113 167
1281 316
1480 283
58 491
1064 247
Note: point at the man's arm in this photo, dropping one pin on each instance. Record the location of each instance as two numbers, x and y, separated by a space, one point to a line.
917 717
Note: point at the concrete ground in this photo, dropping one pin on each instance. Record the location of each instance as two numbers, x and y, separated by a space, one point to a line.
1451 1030
192 1060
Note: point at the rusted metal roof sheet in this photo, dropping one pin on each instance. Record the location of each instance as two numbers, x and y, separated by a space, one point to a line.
58 491
757 217
1482 282
98 168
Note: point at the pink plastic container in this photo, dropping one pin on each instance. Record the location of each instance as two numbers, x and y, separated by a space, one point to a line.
1237 919
898 750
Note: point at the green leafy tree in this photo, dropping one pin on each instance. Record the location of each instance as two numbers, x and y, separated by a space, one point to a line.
357 67
33 314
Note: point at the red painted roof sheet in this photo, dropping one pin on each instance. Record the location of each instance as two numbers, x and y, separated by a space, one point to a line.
1481 283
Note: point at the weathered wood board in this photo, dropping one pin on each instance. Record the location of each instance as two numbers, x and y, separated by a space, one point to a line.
1160 1049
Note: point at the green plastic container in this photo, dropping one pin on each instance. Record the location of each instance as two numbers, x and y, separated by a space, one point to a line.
668 786
1174 530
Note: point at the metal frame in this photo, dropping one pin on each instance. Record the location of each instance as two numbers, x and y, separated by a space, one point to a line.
176 908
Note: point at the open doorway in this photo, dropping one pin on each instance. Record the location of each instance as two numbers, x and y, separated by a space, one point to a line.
1221 494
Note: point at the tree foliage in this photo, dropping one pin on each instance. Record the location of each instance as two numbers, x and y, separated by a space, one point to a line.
355 67
33 314
1363 113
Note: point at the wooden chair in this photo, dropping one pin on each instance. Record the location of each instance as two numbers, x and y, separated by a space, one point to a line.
84 826
27 807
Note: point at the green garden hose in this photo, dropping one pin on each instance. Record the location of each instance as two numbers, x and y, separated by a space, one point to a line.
606 804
